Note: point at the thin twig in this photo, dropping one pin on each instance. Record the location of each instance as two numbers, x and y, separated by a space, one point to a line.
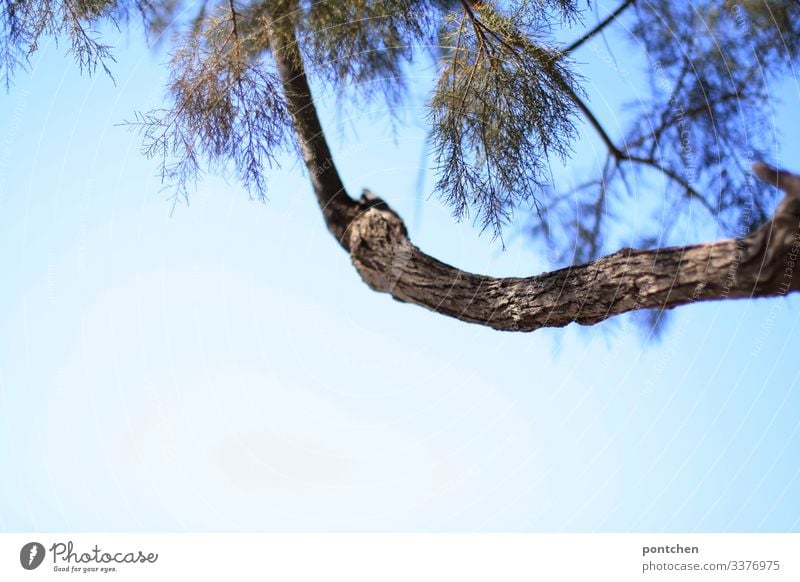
600 26
621 155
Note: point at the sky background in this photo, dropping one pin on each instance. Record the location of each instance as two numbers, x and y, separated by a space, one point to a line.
223 368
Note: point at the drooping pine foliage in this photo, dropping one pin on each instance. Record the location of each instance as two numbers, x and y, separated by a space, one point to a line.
503 105
507 105
24 24
226 106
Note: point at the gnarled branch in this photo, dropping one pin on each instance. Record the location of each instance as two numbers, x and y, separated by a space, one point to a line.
758 265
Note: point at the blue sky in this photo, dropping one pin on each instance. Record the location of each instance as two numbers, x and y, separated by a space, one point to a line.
222 368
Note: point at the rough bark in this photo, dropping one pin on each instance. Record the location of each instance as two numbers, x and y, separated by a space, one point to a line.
761 264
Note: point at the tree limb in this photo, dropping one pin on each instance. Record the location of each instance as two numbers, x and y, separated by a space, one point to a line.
599 28
337 207
761 264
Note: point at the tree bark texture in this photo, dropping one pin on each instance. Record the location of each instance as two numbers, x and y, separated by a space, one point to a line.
762 264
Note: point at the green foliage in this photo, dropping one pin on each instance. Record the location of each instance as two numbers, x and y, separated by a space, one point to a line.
364 44
502 106
504 109
24 24
226 108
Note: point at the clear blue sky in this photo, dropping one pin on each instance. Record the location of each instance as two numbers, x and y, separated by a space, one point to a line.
224 368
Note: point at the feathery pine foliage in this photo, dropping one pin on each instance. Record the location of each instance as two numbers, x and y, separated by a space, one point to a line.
503 105
506 106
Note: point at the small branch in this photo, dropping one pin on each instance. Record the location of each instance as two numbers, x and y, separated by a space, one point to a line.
599 28
479 28
621 155
690 190
667 123
595 123
233 19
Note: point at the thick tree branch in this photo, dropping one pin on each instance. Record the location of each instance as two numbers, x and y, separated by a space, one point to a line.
759 265
337 207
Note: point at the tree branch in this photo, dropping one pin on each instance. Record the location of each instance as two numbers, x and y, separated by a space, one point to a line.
337 207
599 28
622 155
759 265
